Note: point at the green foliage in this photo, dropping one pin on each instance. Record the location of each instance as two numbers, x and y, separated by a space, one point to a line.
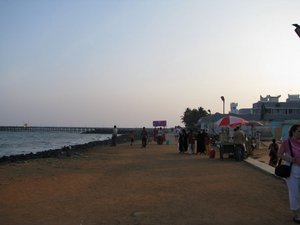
191 117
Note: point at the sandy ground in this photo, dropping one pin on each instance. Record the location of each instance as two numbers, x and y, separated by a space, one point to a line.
129 185
262 154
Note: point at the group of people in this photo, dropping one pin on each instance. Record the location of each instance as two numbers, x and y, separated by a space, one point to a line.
144 137
188 142
240 141
247 143
158 136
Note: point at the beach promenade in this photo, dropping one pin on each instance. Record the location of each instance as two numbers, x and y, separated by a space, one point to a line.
130 185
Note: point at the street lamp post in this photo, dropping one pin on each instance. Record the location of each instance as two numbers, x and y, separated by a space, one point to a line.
210 120
223 99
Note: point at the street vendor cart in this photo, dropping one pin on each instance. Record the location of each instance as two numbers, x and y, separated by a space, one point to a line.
232 150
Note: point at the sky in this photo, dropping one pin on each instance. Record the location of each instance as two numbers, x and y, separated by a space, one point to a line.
129 62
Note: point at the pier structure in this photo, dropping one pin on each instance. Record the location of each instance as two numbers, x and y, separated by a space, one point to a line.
89 130
47 129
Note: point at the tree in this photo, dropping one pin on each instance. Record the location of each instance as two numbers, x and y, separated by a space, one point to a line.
191 117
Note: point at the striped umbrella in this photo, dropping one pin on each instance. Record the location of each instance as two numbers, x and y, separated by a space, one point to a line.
231 121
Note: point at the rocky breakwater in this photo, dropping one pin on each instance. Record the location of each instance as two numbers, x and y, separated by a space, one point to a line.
66 151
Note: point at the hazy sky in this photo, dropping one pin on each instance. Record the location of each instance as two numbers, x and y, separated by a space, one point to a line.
129 62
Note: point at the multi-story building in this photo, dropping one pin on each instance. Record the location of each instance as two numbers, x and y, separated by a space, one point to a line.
269 108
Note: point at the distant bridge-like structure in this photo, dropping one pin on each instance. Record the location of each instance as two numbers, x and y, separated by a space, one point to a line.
49 129
97 130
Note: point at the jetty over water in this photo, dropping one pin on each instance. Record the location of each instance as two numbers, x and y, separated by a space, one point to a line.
96 130
49 129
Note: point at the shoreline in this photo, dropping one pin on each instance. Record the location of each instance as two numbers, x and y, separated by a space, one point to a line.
66 151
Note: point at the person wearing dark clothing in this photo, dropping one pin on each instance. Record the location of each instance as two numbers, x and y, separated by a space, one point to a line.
201 142
185 141
131 138
182 141
144 135
206 142
273 151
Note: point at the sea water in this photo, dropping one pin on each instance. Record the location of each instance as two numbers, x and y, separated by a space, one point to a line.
13 143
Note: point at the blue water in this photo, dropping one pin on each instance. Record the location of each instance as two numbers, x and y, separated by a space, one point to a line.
12 143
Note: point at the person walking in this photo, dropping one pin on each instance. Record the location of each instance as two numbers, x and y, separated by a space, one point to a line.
293 182
239 140
273 153
182 141
131 138
206 142
160 136
155 131
114 136
199 138
201 142
144 135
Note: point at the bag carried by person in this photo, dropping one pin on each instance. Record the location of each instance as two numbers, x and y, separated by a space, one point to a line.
284 170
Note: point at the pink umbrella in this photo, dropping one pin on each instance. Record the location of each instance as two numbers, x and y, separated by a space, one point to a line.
231 121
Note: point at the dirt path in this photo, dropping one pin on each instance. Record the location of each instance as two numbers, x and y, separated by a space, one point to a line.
129 185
